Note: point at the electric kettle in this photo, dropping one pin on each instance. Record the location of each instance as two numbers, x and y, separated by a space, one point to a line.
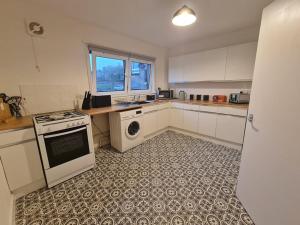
182 95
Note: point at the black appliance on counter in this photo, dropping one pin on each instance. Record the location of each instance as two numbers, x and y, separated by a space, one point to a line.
101 101
205 97
191 97
199 97
150 97
166 94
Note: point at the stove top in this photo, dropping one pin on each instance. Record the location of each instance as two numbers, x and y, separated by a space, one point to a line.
56 116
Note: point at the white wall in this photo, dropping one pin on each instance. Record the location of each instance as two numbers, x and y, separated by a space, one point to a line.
61 53
245 35
61 56
211 88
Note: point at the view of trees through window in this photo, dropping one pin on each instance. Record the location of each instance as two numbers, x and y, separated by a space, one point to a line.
110 74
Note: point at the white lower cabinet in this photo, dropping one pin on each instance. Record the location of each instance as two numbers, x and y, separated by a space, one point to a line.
230 128
177 118
150 122
190 120
22 164
163 118
207 123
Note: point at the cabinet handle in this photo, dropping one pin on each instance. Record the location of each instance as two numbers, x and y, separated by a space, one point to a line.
250 118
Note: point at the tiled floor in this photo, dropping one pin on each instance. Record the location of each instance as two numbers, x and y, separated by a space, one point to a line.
171 179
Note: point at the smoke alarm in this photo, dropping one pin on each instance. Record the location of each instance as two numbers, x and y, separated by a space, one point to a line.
35 29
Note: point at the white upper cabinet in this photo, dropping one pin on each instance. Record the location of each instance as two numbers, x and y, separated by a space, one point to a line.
205 66
241 61
176 65
230 63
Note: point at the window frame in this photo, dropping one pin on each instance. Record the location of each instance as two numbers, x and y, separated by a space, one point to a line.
93 74
127 88
151 80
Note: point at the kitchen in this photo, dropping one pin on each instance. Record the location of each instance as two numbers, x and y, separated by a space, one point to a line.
200 142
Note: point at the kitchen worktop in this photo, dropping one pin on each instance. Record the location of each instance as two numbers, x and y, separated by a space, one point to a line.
26 121
17 123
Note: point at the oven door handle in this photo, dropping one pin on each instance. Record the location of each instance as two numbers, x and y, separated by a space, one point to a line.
64 133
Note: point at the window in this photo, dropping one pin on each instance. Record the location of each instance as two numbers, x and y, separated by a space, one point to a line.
110 74
140 75
115 74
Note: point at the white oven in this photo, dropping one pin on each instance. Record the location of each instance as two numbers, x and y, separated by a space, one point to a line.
66 147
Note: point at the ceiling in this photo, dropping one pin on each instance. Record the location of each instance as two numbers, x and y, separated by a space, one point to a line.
150 20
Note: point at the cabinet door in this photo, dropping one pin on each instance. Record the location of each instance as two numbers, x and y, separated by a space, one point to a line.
207 123
150 123
177 118
241 61
163 119
205 66
231 128
21 164
176 69
190 120
6 199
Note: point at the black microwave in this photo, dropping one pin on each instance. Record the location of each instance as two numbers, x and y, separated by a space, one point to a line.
166 94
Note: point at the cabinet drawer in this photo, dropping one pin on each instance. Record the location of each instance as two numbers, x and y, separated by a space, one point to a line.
191 107
233 111
17 136
148 109
179 105
213 109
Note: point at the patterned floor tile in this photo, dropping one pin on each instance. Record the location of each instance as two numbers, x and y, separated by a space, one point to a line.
171 179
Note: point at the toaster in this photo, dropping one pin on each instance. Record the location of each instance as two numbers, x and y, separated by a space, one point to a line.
239 98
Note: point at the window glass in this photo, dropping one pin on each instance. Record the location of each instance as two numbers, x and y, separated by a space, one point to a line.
110 74
140 75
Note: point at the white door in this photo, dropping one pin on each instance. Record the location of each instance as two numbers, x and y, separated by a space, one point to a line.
150 123
230 128
22 164
6 206
207 123
190 120
269 179
240 61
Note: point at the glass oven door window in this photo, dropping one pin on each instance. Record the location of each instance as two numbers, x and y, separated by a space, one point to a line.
67 145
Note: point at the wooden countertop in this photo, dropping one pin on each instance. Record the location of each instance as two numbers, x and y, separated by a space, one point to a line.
26 121
17 123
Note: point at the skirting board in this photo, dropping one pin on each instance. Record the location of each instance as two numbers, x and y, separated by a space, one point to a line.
29 188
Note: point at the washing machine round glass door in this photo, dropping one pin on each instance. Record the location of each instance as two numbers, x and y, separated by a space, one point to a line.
133 129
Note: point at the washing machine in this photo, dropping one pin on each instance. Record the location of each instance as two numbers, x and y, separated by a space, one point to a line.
126 129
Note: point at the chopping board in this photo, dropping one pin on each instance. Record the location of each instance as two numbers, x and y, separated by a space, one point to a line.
5 114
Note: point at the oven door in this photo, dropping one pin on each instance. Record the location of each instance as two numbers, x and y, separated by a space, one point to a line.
66 145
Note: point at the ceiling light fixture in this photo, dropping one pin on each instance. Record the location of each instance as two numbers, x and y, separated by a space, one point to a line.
184 16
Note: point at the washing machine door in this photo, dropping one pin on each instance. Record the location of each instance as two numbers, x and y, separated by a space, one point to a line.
133 129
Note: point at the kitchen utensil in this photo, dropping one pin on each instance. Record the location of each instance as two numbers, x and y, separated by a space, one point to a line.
5 113
182 95
191 97
86 104
199 97
239 98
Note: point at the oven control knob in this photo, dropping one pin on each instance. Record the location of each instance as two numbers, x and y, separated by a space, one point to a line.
82 123
49 129
73 124
68 125
78 123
